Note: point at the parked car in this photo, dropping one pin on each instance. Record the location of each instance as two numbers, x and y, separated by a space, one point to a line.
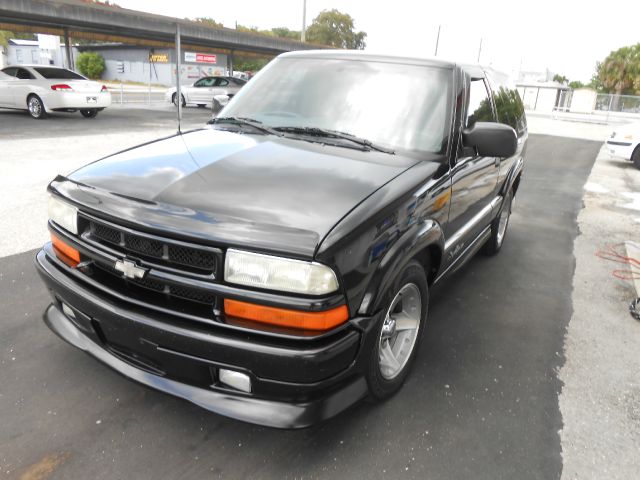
624 142
276 266
41 88
203 91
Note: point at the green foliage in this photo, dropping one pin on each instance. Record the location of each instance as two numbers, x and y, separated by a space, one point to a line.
560 79
249 64
90 64
6 35
335 29
619 73
209 22
284 32
576 84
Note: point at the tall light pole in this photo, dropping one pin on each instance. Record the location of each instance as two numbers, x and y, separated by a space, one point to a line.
437 41
480 50
304 20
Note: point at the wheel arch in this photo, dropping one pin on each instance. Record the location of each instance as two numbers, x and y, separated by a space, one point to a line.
424 243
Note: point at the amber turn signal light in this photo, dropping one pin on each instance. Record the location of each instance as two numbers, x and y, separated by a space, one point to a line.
64 252
287 318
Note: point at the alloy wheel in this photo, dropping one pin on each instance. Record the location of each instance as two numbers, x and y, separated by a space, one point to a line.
399 331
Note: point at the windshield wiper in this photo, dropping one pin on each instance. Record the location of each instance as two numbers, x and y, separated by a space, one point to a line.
325 133
257 124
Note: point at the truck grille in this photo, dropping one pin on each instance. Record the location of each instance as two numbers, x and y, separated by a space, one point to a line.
166 252
182 292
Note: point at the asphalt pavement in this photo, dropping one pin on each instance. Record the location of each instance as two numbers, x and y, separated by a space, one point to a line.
481 402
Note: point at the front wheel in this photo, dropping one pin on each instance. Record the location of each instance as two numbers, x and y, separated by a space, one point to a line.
89 112
499 226
174 99
36 107
635 157
398 333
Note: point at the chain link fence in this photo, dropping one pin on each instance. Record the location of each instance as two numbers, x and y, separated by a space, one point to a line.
606 102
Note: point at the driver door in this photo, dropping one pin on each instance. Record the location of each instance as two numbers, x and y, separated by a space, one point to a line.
474 178
200 91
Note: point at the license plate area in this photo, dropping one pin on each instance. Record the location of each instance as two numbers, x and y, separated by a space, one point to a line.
92 99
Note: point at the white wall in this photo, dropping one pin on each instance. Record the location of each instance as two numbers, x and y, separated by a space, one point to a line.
584 100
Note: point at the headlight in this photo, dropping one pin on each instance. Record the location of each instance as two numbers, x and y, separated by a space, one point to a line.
276 273
63 214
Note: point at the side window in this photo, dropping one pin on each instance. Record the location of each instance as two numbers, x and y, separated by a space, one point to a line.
23 74
509 106
200 83
222 82
11 71
479 109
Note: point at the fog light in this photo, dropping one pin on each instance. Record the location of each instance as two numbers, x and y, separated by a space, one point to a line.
237 380
66 309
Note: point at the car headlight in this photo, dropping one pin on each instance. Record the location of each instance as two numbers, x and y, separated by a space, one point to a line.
63 214
276 273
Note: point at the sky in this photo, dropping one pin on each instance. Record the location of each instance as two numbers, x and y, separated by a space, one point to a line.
566 37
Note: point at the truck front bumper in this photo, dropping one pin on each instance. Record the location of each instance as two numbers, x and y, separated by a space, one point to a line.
294 383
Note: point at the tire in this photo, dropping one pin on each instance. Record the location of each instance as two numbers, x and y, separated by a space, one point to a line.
36 107
175 96
635 157
499 227
384 377
89 112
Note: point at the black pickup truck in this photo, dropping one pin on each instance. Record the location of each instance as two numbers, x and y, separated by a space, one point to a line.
275 266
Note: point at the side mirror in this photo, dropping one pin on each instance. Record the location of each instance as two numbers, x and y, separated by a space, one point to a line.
491 139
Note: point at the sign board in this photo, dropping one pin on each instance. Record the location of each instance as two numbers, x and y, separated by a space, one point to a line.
159 57
199 57
49 42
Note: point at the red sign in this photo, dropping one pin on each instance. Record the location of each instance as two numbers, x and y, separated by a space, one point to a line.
199 57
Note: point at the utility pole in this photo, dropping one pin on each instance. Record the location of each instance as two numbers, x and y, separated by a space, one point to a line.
480 50
437 41
304 20
178 62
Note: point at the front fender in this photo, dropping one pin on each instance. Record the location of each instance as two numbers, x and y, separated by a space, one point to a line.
415 240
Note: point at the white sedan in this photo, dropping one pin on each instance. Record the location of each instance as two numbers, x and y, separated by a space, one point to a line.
207 90
625 142
41 88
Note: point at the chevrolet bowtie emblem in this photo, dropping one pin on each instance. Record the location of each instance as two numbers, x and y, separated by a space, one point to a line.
129 269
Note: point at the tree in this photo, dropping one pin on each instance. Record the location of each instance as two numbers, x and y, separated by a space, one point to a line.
576 84
6 35
249 64
90 64
209 22
620 72
560 79
335 29
284 32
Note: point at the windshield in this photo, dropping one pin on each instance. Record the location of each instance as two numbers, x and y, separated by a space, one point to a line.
396 105
58 73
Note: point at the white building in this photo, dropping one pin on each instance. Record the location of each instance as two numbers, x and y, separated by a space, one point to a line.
544 96
20 52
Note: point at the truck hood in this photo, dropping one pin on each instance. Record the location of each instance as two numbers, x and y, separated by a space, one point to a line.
259 192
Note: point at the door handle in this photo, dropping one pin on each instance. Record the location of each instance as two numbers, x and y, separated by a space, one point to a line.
497 161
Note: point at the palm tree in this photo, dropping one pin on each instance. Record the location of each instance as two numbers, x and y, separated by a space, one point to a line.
620 71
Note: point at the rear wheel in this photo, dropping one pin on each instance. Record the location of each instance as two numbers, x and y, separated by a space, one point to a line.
399 331
89 112
36 107
635 157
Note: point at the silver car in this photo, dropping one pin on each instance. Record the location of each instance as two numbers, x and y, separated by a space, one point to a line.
206 91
